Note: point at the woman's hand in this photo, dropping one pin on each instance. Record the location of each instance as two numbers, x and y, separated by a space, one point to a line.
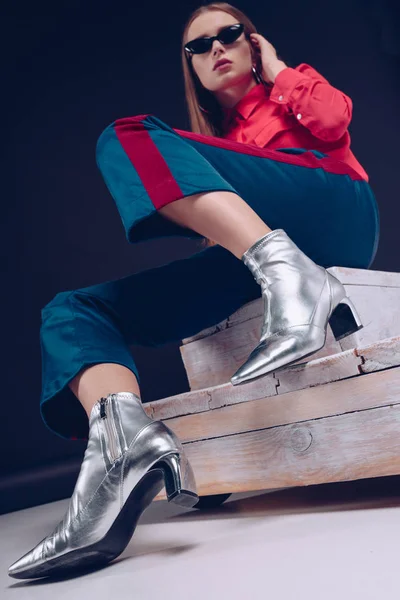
271 65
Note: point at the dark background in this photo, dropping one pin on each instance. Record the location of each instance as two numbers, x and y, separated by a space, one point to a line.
68 69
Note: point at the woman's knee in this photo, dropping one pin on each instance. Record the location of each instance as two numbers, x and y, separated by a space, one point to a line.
60 299
66 306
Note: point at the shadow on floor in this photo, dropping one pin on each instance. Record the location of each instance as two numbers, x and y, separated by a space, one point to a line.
378 492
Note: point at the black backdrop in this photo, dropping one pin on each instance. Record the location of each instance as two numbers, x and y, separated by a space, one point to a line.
68 70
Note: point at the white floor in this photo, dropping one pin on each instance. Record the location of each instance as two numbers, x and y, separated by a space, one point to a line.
335 541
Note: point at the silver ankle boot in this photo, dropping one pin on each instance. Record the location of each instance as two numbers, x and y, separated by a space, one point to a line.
300 298
128 459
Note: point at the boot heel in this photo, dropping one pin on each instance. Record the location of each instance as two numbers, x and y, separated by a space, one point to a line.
179 479
344 320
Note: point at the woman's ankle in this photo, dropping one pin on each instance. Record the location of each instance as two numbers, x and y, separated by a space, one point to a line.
99 380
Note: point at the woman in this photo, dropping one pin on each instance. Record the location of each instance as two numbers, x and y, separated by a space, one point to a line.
268 157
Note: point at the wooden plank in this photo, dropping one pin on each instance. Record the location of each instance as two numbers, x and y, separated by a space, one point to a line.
204 400
349 276
378 310
307 375
345 447
339 397
319 371
376 357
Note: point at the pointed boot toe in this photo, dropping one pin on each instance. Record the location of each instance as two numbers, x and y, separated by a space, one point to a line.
32 559
279 350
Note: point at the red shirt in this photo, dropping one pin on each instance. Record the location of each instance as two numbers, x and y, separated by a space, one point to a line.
300 110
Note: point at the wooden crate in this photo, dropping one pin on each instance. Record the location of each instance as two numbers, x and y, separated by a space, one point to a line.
332 417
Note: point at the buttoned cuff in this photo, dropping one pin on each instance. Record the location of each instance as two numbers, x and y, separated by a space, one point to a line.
285 83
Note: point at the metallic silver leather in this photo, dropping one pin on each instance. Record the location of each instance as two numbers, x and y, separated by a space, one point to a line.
125 472
300 298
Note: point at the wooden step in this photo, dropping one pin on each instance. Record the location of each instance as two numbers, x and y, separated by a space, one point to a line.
214 354
333 418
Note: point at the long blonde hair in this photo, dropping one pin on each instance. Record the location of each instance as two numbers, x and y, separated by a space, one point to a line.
196 94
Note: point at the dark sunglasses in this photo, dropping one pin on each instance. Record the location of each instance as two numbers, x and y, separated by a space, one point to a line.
227 35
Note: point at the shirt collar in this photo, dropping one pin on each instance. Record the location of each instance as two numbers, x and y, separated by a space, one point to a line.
247 104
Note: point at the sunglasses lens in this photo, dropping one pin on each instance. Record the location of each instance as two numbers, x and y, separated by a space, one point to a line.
230 34
199 46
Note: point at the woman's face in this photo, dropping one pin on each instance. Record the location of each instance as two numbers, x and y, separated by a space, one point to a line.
239 52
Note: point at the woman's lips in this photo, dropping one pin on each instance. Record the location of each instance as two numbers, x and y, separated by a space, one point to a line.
225 64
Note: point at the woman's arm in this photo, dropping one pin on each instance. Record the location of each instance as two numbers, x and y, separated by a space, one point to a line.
323 109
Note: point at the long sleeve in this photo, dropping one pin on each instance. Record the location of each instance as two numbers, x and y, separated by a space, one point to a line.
323 109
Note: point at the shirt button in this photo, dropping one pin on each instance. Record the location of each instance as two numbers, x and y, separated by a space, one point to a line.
280 98
299 116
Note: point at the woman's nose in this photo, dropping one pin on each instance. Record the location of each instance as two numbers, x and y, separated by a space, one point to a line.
216 46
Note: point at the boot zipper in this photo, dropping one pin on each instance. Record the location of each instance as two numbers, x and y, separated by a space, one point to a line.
107 417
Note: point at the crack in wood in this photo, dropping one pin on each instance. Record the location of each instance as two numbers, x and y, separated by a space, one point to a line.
292 423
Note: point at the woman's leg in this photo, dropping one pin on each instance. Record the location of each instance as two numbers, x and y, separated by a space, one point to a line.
221 216
97 381
86 334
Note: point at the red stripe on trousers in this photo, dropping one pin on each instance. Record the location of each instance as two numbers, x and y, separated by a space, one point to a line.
307 159
147 160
